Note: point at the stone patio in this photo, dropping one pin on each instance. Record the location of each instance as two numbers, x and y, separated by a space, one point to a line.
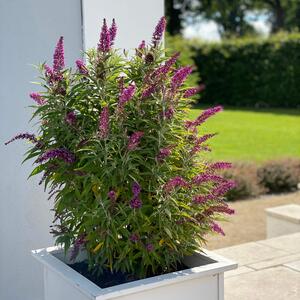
268 269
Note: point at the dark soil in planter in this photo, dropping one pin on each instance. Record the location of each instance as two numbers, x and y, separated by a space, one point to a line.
109 279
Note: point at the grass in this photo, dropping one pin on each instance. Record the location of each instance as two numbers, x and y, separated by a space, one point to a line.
253 135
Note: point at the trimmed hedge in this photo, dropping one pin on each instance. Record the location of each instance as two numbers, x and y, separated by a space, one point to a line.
251 72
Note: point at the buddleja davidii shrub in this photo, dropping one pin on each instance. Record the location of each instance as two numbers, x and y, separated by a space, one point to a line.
121 161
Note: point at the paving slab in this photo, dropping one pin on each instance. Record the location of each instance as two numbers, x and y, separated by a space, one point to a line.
279 283
295 265
289 212
238 271
274 262
249 253
289 243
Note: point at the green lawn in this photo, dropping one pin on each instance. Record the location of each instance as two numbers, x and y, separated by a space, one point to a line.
253 135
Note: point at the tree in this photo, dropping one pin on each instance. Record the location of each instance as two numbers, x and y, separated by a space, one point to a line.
283 14
173 14
228 14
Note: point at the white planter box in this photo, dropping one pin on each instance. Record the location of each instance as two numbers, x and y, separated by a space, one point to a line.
204 280
282 220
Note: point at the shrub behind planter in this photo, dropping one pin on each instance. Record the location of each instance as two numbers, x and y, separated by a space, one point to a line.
247 181
280 176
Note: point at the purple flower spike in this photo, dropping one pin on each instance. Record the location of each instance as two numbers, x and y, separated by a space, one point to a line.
216 228
149 91
134 238
208 178
200 199
206 137
58 57
104 43
126 94
113 32
71 118
37 98
221 165
203 117
104 123
162 70
199 141
180 76
81 67
169 113
135 203
159 31
223 188
136 189
48 71
163 153
60 153
223 209
142 45
51 76
175 182
79 242
149 247
23 136
193 91
112 195
134 140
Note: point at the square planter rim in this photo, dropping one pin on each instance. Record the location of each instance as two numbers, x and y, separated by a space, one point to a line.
46 257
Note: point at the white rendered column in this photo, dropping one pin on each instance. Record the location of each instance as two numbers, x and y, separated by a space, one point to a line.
136 20
29 30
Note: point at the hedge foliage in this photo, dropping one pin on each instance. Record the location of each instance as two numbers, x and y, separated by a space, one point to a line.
251 71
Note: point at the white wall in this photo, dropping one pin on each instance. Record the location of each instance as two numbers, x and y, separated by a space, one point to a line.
136 20
28 33
29 30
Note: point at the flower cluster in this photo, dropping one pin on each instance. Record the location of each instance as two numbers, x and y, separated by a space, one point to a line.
180 76
216 227
107 36
164 153
112 195
159 31
70 118
37 98
104 123
80 241
134 140
207 178
220 165
136 201
59 153
81 67
203 117
24 136
198 143
175 182
58 57
125 95
193 91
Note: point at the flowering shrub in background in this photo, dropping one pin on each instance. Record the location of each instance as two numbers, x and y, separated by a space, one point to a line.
247 182
279 176
122 163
